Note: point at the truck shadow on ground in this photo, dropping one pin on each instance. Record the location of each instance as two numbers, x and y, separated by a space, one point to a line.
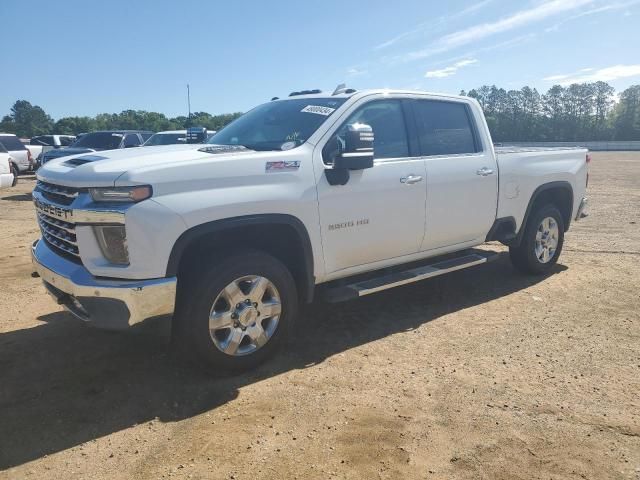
21 197
63 384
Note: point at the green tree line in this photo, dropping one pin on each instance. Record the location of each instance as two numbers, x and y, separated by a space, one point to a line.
27 120
578 112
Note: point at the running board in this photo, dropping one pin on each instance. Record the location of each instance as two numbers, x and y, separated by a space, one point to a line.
389 280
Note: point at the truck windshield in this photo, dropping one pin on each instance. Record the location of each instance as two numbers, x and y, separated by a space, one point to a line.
99 141
278 125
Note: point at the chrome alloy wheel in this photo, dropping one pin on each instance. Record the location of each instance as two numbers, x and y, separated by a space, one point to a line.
245 315
546 240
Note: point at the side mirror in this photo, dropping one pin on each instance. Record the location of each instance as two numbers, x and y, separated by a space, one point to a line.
196 134
357 154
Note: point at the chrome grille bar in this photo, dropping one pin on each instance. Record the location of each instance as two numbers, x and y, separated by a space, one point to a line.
59 234
57 189
69 227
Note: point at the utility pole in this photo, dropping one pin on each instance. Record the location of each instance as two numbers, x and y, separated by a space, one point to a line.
188 106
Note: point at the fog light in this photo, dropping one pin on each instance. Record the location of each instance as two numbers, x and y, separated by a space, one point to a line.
113 243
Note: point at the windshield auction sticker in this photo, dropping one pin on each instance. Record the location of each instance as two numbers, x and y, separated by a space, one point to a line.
319 110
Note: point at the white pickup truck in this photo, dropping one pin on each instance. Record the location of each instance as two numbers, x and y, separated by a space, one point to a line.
315 195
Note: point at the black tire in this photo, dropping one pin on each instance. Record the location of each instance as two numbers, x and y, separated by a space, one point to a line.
16 172
523 256
202 287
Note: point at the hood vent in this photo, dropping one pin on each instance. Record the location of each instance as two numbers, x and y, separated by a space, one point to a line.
75 162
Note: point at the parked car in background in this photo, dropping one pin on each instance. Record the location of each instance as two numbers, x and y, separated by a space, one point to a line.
102 140
172 137
43 143
21 158
7 177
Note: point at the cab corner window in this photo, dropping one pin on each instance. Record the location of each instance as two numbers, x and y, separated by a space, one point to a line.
444 128
386 119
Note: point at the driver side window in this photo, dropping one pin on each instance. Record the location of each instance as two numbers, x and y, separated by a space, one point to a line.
386 119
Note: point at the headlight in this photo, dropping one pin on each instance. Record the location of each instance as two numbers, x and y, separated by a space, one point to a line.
121 194
113 243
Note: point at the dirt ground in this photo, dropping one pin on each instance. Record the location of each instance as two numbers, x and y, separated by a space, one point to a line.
482 374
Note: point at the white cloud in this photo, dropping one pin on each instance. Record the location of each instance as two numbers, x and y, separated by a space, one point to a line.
592 75
433 23
356 71
479 32
450 70
597 9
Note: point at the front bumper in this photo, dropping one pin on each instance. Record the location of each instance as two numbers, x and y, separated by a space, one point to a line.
106 303
582 209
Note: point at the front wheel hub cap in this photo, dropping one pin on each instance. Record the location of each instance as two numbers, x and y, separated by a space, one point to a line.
245 315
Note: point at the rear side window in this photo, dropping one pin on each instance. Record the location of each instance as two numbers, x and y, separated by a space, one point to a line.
66 141
11 142
45 140
444 128
131 140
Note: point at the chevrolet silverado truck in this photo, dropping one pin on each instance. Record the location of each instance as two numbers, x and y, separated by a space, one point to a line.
334 196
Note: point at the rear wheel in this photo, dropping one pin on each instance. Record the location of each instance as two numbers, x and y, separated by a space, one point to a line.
16 172
236 312
541 243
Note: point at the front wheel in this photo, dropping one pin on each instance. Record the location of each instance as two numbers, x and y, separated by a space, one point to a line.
541 243
236 312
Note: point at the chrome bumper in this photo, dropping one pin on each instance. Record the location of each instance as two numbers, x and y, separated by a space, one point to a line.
582 209
106 303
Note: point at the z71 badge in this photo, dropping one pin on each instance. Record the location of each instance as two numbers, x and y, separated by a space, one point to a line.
282 166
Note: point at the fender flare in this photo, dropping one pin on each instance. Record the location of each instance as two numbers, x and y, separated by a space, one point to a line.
536 193
217 226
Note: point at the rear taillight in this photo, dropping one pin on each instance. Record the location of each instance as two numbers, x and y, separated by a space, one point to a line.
588 159
29 157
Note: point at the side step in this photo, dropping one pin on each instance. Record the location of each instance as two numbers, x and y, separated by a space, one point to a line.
388 280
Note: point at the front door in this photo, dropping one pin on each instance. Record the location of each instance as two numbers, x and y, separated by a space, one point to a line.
380 213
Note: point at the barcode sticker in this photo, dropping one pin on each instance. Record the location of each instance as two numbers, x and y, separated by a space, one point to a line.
317 109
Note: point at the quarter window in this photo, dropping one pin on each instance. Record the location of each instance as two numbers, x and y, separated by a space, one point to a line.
444 128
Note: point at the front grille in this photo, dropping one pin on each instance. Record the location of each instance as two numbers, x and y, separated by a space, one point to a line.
57 193
59 234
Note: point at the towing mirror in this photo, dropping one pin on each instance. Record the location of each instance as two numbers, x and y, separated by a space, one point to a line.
356 154
358 148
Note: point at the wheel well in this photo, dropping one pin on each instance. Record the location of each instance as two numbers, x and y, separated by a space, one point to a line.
559 194
280 240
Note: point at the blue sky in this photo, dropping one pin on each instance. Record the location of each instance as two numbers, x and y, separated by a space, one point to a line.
83 58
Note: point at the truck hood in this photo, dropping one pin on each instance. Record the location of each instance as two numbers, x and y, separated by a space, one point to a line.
100 169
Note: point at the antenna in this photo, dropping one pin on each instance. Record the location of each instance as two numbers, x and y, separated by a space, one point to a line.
339 89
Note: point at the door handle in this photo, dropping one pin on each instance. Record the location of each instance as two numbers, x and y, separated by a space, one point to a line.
411 179
484 171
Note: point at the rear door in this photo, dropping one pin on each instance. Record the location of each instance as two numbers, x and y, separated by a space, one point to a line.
462 175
